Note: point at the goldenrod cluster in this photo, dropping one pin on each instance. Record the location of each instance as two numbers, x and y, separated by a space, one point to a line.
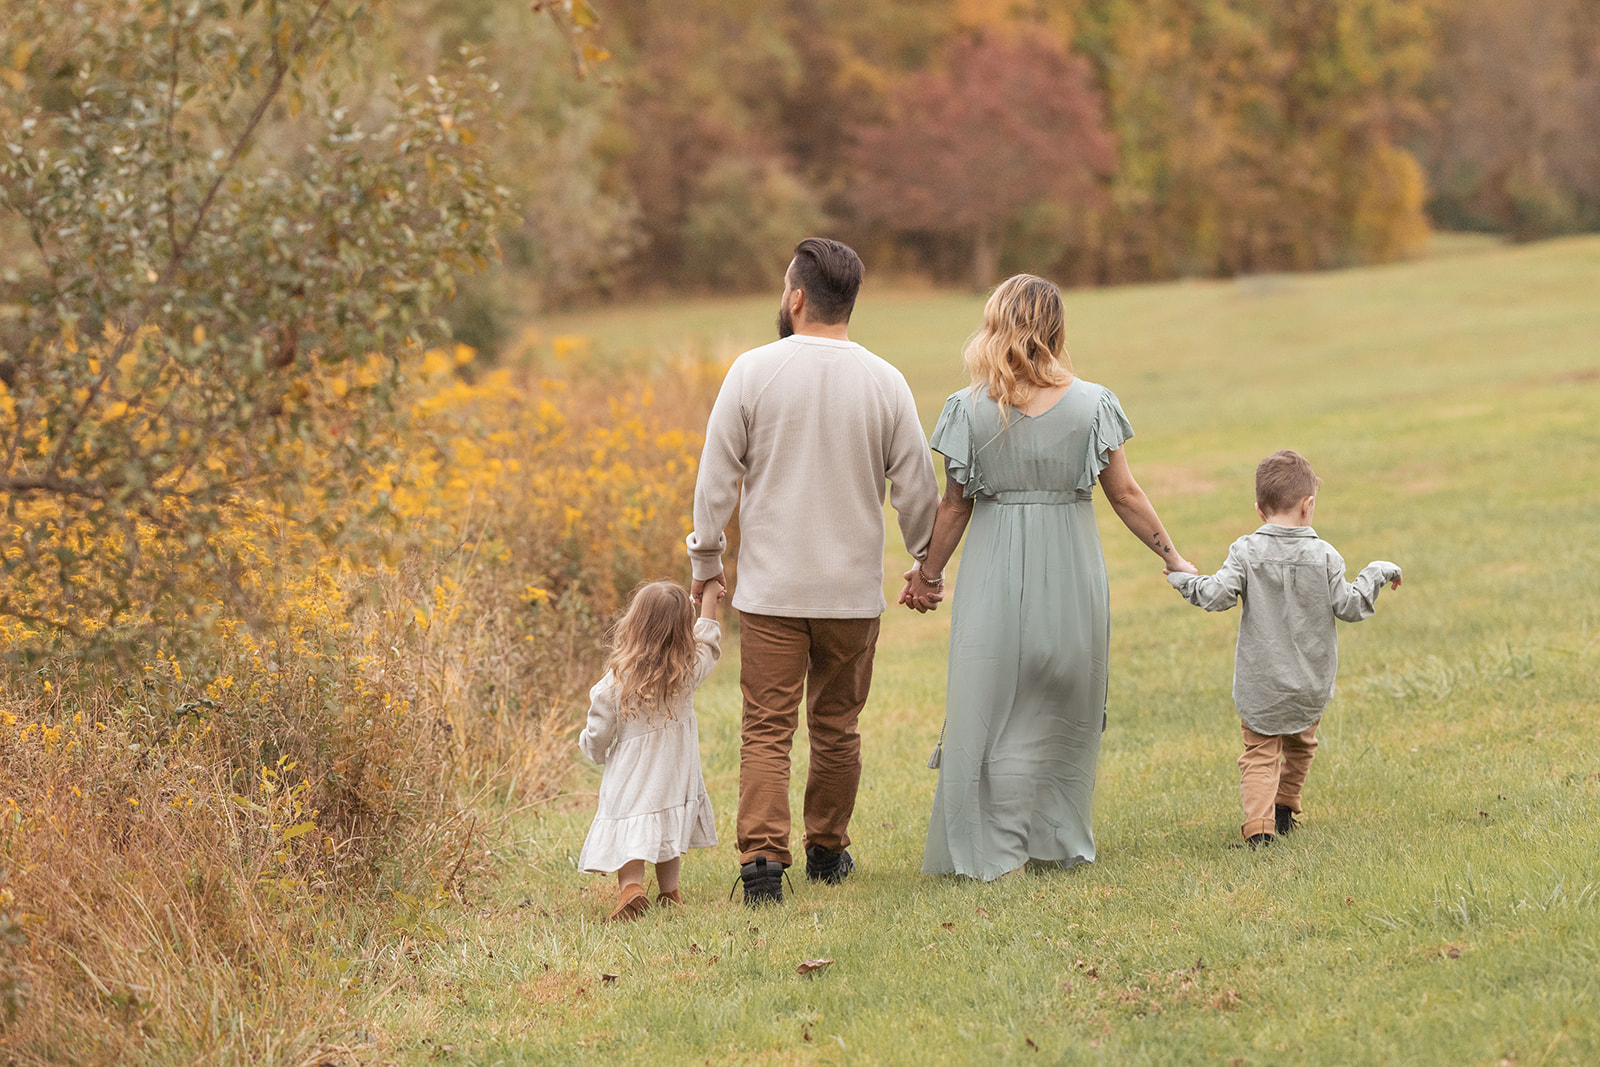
403 645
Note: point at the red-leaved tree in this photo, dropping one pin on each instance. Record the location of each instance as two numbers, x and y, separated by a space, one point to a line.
1008 122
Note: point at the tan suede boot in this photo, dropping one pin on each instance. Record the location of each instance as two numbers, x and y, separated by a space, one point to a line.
632 904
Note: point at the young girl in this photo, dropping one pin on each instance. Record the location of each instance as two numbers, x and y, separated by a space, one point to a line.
653 802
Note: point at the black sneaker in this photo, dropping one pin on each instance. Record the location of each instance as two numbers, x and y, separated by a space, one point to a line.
830 867
762 880
1284 817
1256 841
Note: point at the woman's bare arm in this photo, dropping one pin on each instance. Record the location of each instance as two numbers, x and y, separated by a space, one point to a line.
949 524
1138 514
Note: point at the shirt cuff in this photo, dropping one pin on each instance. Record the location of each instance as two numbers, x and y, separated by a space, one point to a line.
703 564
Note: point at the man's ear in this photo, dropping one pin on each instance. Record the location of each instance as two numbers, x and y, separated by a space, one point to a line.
797 302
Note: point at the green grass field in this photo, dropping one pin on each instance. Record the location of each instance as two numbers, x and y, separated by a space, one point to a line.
1441 904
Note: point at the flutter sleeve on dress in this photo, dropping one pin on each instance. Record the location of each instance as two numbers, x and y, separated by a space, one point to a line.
601 729
708 647
952 439
1106 434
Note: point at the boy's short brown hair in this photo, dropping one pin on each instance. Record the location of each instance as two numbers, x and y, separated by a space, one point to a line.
1283 480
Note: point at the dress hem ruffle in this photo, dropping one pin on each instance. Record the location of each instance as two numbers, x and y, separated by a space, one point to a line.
654 837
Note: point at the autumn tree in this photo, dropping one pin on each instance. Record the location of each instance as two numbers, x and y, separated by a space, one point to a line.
1517 142
1258 136
213 229
1006 122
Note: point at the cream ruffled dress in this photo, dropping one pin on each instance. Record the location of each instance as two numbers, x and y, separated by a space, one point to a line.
653 801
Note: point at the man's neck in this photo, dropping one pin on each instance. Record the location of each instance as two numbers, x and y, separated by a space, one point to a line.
838 331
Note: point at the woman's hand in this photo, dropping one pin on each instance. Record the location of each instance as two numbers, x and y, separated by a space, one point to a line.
920 594
1180 566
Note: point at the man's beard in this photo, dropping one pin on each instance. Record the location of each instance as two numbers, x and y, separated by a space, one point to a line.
785 322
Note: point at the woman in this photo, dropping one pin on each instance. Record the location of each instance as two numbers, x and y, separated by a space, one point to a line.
1030 635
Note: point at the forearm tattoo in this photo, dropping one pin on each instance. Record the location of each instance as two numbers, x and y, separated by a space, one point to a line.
1164 549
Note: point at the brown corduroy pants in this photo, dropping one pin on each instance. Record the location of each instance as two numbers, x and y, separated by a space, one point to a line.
1272 771
831 660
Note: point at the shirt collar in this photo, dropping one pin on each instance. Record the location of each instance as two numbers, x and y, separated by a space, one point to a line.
1272 529
813 339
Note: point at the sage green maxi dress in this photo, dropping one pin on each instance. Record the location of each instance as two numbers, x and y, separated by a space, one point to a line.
1029 634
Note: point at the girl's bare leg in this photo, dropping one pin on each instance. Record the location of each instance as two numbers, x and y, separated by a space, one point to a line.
632 873
667 875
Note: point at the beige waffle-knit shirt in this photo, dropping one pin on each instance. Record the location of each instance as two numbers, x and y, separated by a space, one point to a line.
812 427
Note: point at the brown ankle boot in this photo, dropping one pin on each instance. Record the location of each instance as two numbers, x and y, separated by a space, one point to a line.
633 904
670 897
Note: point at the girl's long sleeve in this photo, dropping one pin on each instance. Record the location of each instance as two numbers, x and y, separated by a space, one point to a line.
1357 600
601 729
708 648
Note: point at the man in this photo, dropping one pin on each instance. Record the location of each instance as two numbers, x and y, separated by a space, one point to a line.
812 425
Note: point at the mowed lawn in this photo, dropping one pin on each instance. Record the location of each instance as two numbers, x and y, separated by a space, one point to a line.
1441 904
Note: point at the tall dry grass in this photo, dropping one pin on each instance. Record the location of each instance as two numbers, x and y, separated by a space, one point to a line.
204 854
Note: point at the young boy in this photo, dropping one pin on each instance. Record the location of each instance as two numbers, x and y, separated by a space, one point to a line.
1293 587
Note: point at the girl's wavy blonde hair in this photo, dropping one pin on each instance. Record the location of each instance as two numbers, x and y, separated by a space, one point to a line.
1022 345
652 650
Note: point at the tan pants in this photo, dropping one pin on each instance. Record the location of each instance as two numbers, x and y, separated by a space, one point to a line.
1272 771
832 660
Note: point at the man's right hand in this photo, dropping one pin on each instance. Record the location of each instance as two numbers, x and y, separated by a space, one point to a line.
697 587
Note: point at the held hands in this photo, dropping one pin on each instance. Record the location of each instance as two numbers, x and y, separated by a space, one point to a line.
921 595
1180 566
697 588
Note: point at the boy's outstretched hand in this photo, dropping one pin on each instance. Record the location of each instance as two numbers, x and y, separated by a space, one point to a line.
1396 583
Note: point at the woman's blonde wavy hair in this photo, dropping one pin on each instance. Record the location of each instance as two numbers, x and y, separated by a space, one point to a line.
1022 345
652 650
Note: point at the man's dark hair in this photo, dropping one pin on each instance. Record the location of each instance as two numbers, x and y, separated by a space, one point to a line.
829 273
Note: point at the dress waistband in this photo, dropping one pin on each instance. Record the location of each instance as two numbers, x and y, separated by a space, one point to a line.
1043 496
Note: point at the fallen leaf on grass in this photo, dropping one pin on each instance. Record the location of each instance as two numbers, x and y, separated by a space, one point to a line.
609 978
983 913
693 947
948 926
811 966
1030 1043
1453 951
888 826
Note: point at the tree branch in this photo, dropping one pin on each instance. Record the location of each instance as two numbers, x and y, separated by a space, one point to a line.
280 69
172 110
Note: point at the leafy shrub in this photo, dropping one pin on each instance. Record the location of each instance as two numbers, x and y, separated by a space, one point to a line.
746 217
185 837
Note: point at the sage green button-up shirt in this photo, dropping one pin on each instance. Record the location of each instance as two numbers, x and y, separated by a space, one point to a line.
1293 586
